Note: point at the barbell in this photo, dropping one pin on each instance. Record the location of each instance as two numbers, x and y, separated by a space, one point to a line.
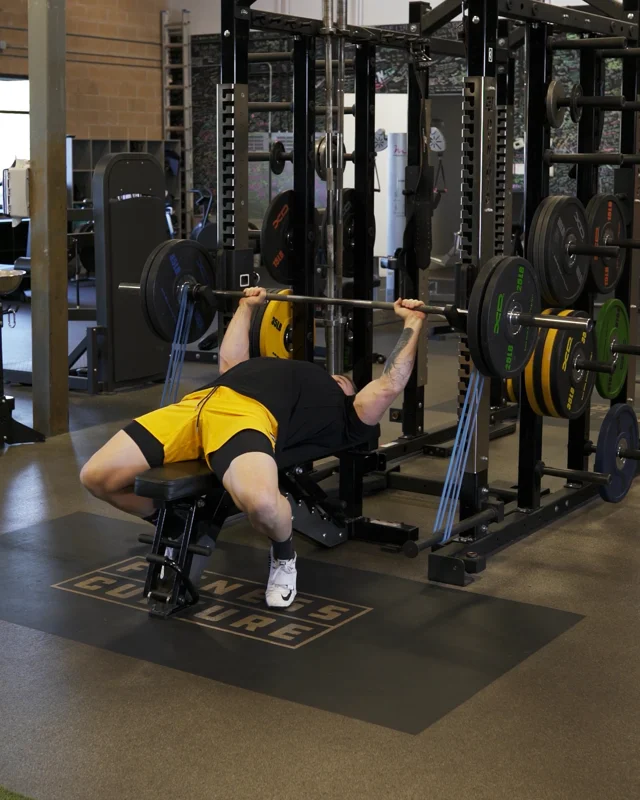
501 322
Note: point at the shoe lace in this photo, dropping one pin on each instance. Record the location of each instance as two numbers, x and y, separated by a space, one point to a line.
286 566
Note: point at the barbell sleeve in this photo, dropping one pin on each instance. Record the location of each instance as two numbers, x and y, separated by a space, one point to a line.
595 366
553 322
593 250
577 475
412 549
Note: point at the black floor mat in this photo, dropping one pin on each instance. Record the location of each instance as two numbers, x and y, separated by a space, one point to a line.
384 650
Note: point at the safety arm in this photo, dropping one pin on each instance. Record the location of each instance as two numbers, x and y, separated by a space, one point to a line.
371 403
235 344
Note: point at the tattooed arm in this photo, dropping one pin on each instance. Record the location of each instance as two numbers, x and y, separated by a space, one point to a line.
372 402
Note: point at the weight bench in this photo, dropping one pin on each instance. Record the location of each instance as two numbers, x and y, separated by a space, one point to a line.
191 498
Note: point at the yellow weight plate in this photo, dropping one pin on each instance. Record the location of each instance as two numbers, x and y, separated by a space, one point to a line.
510 390
275 329
546 366
530 373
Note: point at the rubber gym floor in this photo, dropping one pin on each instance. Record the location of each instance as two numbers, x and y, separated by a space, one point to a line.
523 686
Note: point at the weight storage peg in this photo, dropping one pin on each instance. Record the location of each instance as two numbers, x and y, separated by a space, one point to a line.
506 312
607 224
493 513
595 159
276 156
557 103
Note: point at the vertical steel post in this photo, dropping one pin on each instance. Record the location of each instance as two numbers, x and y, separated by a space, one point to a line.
592 82
627 181
364 223
304 126
536 188
418 126
478 223
47 48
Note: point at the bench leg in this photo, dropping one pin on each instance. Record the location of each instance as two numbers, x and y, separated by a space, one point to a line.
168 586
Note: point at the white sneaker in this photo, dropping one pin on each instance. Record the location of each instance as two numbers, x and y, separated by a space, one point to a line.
281 587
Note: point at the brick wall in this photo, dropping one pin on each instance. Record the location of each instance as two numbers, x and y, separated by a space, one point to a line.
118 93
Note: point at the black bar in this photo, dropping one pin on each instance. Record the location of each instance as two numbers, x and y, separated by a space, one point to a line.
611 8
627 244
258 107
593 250
577 475
628 52
447 47
536 189
592 159
364 169
634 455
595 366
304 83
439 16
609 101
195 549
565 17
413 549
234 55
413 396
588 44
627 349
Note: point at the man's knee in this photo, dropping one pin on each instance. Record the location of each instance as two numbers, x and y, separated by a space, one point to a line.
262 507
99 480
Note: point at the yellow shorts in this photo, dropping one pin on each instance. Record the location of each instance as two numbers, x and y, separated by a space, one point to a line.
201 424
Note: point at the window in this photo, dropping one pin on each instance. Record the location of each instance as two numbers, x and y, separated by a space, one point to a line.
14 122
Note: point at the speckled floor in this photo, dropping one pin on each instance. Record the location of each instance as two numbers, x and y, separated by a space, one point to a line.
80 721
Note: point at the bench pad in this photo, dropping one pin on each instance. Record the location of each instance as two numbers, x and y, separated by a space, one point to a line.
177 481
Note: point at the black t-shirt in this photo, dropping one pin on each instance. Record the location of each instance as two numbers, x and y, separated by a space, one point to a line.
315 418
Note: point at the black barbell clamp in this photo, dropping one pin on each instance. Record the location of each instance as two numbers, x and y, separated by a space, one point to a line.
574 475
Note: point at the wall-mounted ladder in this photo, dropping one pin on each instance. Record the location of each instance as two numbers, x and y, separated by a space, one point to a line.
177 112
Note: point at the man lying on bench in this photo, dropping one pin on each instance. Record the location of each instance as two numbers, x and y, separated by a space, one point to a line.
256 413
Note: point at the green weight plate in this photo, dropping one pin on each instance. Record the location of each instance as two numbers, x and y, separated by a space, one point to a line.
167 269
570 388
606 220
512 288
612 327
276 239
564 274
474 334
619 431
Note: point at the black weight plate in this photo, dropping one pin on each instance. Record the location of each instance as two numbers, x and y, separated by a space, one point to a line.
564 275
474 335
513 287
276 239
570 389
207 236
619 430
547 209
534 256
165 271
555 113
144 302
574 109
606 220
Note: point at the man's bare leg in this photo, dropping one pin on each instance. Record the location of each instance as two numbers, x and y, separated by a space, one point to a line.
252 482
110 473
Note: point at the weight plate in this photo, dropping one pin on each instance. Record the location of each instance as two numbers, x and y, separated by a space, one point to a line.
512 288
532 373
619 430
512 389
276 157
612 327
276 329
254 332
535 253
474 335
567 389
575 110
207 235
165 271
563 275
276 240
555 112
606 220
